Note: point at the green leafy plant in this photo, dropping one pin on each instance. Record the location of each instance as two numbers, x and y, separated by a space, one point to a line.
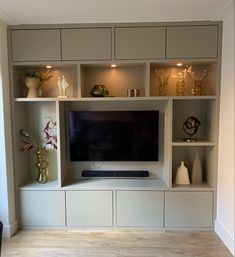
41 76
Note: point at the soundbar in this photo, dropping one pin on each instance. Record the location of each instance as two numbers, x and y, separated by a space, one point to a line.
115 173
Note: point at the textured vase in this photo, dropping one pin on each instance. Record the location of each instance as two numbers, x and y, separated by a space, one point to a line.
182 177
196 171
180 87
33 84
197 89
42 165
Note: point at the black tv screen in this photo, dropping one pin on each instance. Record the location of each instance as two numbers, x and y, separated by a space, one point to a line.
113 135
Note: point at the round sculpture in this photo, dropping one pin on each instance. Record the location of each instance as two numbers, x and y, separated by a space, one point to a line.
190 127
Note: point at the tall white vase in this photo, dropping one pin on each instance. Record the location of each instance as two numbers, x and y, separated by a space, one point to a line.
196 171
182 177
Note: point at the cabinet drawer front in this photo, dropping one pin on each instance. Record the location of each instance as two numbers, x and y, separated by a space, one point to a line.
189 209
42 208
140 43
36 45
140 208
192 42
89 208
86 44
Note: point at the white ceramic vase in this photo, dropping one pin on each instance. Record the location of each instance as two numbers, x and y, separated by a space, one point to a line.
196 171
182 177
33 84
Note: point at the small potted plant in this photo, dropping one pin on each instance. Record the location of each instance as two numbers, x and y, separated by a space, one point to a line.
34 80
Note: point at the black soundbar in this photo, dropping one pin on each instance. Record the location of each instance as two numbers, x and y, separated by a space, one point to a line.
115 173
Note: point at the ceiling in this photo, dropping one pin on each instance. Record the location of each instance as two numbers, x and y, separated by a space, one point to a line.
99 11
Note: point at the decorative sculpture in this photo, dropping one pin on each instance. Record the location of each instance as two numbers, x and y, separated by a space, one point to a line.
190 127
62 84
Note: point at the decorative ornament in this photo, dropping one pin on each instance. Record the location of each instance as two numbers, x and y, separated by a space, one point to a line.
190 127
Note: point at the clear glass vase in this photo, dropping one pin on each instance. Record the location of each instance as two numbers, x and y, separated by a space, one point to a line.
163 89
197 89
42 164
180 87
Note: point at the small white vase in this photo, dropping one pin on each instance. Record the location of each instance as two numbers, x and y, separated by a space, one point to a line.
182 177
196 171
33 84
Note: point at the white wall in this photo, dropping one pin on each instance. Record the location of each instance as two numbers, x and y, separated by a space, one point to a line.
225 196
7 199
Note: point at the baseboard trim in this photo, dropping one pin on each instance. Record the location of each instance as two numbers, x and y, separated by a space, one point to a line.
9 230
225 237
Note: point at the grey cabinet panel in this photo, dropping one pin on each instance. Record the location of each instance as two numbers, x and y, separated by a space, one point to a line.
36 45
140 208
42 208
86 44
188 209
140 43
192 42
89 208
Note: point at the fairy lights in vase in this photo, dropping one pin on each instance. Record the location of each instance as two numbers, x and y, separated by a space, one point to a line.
163 77
197 77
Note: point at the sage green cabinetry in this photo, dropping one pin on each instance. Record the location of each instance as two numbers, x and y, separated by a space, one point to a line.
42 208
140 208
86 44
189 209
36 45
139 43
89 208
192 41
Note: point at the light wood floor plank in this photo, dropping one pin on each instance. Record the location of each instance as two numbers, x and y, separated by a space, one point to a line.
74 243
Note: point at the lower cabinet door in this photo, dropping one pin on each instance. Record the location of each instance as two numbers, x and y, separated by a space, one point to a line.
189 209
42 208
140 208
89 208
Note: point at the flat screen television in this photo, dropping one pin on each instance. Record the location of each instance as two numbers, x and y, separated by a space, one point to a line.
113 135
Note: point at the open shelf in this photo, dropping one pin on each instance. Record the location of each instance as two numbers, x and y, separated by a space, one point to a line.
50 87
174 74
117 80
187 154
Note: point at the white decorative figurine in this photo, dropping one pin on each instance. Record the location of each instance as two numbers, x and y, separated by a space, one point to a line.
62 84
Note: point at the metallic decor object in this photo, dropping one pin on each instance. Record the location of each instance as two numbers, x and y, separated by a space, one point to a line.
42 165
99 91
190 127
133 92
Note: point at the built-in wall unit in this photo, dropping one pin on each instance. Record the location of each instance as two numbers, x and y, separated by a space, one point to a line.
121 107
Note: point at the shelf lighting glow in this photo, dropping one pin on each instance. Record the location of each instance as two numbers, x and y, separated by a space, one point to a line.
113 65
48 66
179 64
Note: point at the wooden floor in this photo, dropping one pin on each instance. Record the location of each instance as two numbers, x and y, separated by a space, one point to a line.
48 243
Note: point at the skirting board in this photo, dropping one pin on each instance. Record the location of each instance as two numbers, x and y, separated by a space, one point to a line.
225 237
9 230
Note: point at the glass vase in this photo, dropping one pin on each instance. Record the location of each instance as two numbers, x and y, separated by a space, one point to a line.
180 87
197 89
163 89
42 164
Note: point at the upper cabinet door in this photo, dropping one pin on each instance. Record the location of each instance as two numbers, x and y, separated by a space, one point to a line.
140 43
86 44
36 45
192 42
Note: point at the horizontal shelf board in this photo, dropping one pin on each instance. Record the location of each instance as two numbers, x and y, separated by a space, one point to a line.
194 97
50 185
36 99
199 187
198 143
113 98
116 183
